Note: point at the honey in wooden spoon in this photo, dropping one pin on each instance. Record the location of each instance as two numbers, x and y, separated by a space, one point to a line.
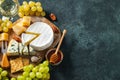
54 57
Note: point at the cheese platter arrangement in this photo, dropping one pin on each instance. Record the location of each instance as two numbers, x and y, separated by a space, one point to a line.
28 43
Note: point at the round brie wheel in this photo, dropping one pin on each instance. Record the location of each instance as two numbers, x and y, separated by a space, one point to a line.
44 40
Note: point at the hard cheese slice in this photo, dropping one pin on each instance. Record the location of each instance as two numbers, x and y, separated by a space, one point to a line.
16 48
44 40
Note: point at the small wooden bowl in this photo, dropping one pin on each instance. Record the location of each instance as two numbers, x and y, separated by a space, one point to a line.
50 52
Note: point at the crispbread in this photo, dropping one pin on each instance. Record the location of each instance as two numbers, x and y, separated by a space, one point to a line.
25 61
16 65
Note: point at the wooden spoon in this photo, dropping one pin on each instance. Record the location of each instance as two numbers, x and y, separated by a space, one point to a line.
54 56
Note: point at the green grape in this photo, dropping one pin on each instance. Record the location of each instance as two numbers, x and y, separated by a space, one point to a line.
25 74
43 13
48 76
38 4
9 24
13 79
38 74
1 21
5 78
35 79
35 69
46 69
44 75
27 13
21 8
32 75
20 78
0 77
3 24
41 69
1 69
26 7
5 29
5 21
0 29
21 14
41 65
45 79
32 13
31 66
37 13
4 73
46 63
31 3
26 69
33 8
39 9
25 3
28 78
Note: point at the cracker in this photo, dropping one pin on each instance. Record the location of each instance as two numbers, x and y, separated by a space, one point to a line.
25 61
16 65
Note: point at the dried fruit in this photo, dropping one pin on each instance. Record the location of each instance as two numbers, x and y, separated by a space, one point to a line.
53 17
17 38
54 29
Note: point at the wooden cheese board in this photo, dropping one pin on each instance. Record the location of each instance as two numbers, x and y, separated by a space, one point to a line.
57 36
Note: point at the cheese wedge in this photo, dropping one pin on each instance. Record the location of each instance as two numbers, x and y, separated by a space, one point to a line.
5 62
43 41
26 21
15 48
32 35
18 28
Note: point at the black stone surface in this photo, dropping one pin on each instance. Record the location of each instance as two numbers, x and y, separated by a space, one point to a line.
92 45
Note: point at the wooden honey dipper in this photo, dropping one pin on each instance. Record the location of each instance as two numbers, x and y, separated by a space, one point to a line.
54 56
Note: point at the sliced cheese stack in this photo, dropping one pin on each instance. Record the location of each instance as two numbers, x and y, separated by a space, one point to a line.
15 48
44 40
26 21
20 26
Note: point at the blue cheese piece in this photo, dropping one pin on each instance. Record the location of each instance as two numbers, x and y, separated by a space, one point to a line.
16 48
24 50
13 48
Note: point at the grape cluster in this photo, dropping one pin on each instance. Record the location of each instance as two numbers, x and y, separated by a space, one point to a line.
31 72
31 8
5 25
3 74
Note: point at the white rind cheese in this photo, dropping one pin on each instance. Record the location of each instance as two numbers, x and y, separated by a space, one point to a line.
44 40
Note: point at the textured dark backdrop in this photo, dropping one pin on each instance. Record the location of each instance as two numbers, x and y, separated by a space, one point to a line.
92 45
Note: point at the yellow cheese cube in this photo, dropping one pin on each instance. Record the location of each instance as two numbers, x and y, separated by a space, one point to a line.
4 36
26 21
18 28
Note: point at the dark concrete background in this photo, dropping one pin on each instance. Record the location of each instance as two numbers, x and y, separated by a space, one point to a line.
92 45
